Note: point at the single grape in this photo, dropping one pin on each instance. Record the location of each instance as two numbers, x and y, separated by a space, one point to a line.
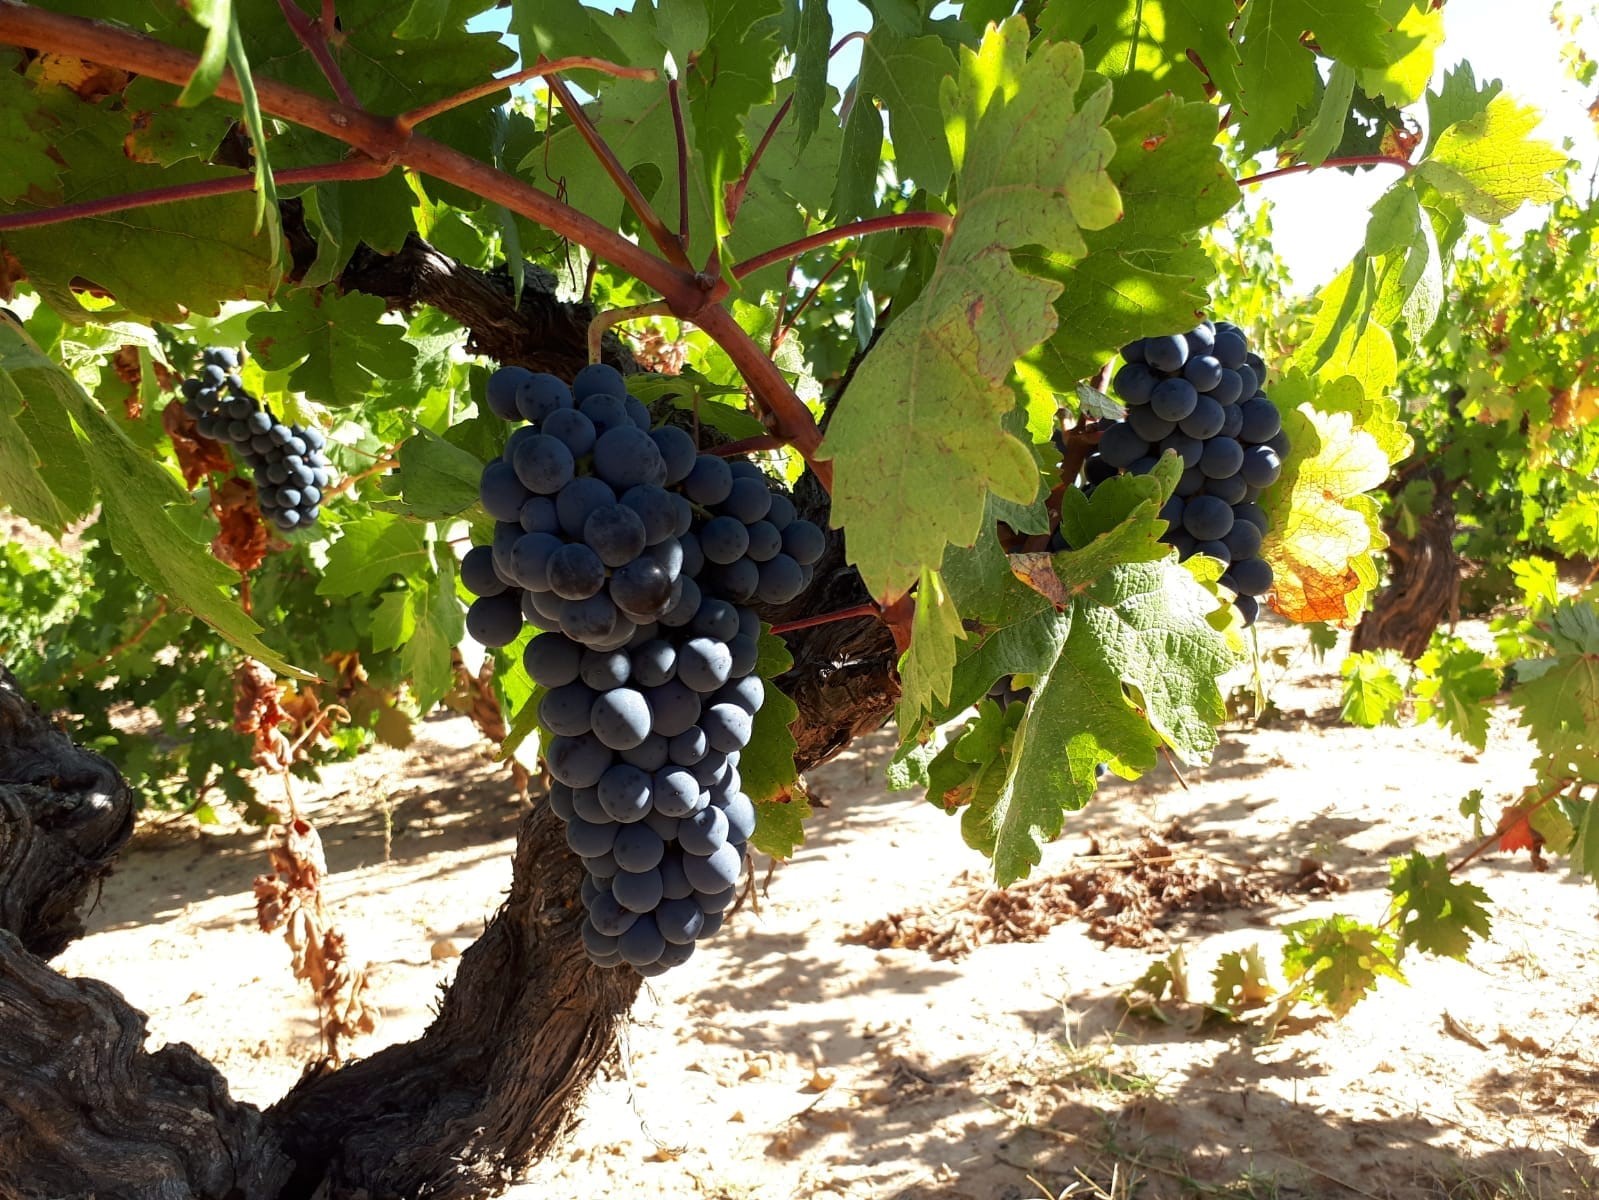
1262 421
1261 466
501 391
589 838
653 663
615 533
782 512
1221 458
621 718
1229 488
626 456
704 832
688 603
704 664
643 588
709 482
1206 518
649 755
1230 349
566 710
765 541
804 542
603 670
530 560
1120 446
1203 371
575 571
502 492
578 499
642 944
1243 540
609 916
477 572
688 747
676 792
1147 425
737 581
674 707
543 464
781 580
1205 421
637 891
679 920
656 509
1134 382
727 727
598 379
638 847
740 815
715 872
492 621
677 451
577 761
572 428
749 500
724 540
552 660
1166 353
1173 399
539 395
1253 576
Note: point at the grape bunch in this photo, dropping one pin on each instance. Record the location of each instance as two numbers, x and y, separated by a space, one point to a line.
639 557
291 472
1198 394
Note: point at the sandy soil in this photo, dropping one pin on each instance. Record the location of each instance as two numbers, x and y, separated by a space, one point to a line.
785 1062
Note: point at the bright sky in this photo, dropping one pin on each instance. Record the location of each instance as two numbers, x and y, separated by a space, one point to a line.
1320 217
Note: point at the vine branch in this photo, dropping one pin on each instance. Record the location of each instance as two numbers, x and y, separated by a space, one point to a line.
659 233
1353 160
682 163
735 194
843 614
199 189
426 112
942 222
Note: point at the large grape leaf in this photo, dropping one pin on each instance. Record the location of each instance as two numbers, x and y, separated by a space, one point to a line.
1277 74
1438 914
920 442
1489 165
1324 530
160 262
144 508
1136 659
334 347
371 552
1144 46
1148 272
1338 960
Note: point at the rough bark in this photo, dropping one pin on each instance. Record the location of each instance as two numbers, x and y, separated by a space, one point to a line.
64 814
494 1082
84 1110
1423 588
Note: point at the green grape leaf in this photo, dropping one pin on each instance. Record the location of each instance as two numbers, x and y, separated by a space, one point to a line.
370 552
334 347
440 625
1277 74
815 39
1438 915
1143 46
1558 695
1416 30
1490 165
928 665
425 19
27 165
1372 691
1338 960
217 18
1241 980
780 823
152 521
1457 100
923 433
1146 273
904 75
767 763
1137 668
1325 132
395 617
436 479
1454 687
127 255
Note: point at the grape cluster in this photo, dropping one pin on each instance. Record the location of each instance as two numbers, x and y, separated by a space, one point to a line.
639 556
291 472
1198 394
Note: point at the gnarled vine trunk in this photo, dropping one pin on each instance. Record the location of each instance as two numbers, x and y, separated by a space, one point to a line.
85 1111
1423 588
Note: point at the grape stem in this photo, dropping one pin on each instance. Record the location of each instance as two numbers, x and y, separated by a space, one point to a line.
313 35
1354 160
615 316
426 112
827 618
344 170
942 222
691 297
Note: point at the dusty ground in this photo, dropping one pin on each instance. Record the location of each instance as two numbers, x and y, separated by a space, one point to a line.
785 1062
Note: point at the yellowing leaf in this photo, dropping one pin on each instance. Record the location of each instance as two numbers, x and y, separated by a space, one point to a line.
1489 164
921 442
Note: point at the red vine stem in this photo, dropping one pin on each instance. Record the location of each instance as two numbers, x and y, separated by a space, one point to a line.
543 70
910 220
1354 160
657 229
827 618
313 36
1492 840
201 189
735 194
381 139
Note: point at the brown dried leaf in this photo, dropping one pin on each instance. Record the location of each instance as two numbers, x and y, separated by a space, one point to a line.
1037 571
198 456
242 536
89 80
